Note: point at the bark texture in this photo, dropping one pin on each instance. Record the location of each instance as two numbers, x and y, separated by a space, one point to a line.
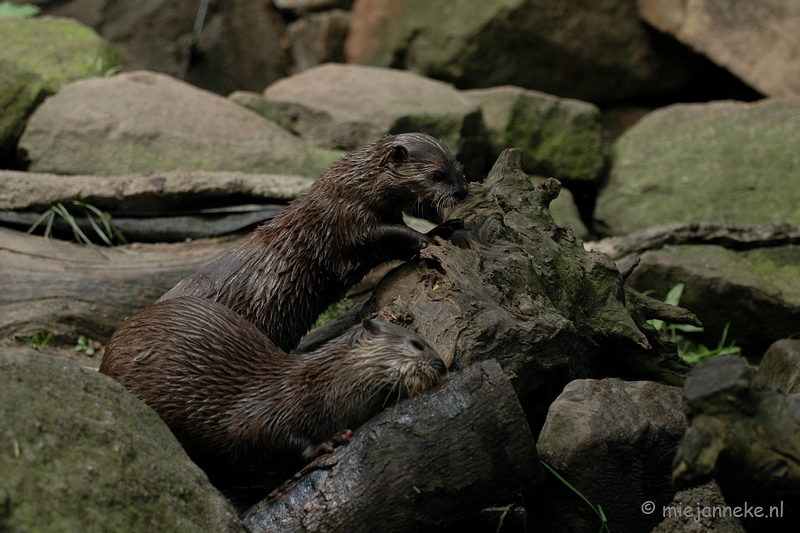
431 461
73 290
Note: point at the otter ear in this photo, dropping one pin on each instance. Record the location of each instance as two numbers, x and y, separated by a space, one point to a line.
368 327
396 156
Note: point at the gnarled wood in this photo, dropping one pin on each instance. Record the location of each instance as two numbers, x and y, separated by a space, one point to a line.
434 460
72 290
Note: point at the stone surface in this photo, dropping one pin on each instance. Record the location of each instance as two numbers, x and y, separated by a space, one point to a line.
595 51
685 513
757 291
238 47
81 454
757 41
347 106
153 192
147 122
20 92
559 138
318 38
58 50
744 434
719 162
614 441
780 366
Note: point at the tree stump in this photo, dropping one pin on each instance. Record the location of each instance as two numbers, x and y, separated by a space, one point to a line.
430 461
518 288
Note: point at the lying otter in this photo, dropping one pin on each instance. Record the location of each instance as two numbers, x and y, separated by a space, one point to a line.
231 396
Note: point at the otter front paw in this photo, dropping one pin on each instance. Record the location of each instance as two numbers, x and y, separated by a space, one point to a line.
315 450
446 229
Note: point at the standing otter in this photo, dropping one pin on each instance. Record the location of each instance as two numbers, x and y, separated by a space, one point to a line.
231 396
350 221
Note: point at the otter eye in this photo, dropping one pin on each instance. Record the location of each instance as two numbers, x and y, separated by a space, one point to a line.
438 175
418 345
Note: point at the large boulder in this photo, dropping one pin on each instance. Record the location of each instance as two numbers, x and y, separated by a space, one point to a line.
721 161
614 440
757 291
20 92
757 41
145 122
238 47
60 51
82 454
347 106
595 51
559 137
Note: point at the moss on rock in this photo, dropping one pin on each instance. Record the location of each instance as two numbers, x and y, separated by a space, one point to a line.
79 453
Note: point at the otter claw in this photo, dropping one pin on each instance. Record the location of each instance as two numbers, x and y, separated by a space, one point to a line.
343 437
447 228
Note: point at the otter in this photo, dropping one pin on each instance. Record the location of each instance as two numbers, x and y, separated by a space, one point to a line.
232 397
293 267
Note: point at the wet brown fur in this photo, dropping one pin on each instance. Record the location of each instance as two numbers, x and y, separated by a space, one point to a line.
350 221
226 391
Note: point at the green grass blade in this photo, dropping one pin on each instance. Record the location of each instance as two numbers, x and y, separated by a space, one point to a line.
576 491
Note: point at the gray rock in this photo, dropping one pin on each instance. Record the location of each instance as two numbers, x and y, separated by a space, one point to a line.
614 441
318 38
757 291
59 51
81 454
719 162
757 41
147 122
20 92
347 106
559 138
684 514
780 366
582 49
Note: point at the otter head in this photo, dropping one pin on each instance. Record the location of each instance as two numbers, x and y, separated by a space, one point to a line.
405 363
420 169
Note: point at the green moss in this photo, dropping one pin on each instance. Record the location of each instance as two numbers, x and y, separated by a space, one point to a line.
780 267
60 51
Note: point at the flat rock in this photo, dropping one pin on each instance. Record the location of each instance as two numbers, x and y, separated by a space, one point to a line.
757 41
614 441
559 137
757 291
146 192
347 106
718 162
58 50
82 454
146 122
580 49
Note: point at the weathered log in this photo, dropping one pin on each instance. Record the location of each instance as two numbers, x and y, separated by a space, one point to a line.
72 290
517 288
431 461
727 234
746 435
